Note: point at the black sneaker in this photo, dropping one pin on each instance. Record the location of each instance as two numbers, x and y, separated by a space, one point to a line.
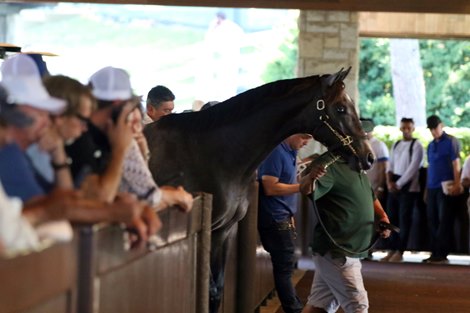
439 260
436 260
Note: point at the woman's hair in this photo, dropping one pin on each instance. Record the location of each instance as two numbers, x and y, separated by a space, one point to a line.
69 89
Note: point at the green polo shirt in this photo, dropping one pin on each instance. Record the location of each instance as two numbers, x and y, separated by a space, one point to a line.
344 200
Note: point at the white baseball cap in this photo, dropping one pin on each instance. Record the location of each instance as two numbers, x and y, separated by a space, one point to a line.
110 84
20 77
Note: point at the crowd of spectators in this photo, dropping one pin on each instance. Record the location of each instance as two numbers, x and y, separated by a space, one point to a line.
73 153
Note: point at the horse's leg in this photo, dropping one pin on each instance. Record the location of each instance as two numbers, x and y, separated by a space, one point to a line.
220 245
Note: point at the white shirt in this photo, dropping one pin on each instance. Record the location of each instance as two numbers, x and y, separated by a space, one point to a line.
381 154
16 233
401 164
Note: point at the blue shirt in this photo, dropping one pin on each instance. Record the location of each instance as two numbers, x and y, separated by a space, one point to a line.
441 153
17 175
281 163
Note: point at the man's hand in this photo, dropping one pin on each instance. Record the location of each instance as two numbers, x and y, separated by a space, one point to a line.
393 187
307 183
385 233
179 197
456 189
137 215
120 133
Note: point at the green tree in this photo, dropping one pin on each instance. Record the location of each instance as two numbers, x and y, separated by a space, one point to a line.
375 81
446 65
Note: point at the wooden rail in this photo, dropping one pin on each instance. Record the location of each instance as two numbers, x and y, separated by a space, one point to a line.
40 282
98 273
172 278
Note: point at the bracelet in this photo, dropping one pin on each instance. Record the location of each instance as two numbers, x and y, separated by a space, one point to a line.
59 166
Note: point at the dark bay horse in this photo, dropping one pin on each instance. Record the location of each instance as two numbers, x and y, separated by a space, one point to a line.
218 150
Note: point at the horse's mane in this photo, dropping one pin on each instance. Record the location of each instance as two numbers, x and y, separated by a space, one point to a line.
240 106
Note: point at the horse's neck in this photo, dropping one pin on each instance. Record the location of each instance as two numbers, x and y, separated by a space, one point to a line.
249 142
238 135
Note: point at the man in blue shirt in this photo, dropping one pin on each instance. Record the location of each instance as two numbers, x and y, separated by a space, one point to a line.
444 165
23 84
277 206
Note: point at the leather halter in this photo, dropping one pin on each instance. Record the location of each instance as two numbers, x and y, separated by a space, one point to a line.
344 140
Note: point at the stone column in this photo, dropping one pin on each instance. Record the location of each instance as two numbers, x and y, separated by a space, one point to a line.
328 41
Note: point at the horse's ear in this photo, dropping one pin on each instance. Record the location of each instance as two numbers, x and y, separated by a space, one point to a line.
339 76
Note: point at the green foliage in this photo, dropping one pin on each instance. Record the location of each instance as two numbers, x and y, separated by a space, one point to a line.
375 82
448 84
390 134
446 68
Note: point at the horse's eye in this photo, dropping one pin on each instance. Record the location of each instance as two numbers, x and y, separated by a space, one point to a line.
341 109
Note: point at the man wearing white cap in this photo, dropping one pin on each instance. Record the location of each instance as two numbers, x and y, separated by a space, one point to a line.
101 149
104 147
24 224
21 79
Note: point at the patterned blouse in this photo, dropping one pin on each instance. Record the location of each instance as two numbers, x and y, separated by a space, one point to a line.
136 177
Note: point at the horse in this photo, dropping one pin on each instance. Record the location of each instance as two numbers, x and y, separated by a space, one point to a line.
219 149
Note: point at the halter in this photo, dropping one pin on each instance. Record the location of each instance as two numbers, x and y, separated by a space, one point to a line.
344 140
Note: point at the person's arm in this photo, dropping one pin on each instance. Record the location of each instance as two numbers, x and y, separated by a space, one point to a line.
382 167
413 168
175 197
456 186
382 216
53 144
391 185
70 205
120 136
465 179
272 186
307 183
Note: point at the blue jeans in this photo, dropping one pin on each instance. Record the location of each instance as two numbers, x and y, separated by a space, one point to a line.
440 222
280 245
400 212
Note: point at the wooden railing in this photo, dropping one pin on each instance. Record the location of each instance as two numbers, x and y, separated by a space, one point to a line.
172 278
40 282
98 273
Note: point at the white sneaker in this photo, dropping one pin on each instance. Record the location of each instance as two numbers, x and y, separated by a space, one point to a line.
387 257
396 257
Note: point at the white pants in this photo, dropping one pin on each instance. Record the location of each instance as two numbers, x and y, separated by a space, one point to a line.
338 282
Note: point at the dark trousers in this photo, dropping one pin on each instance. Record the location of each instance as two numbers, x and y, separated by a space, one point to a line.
400 208
279 242
440 216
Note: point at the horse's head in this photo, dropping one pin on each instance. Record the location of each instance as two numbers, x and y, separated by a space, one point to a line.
340 129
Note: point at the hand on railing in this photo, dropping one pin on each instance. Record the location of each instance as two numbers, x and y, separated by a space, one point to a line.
178 197
140 219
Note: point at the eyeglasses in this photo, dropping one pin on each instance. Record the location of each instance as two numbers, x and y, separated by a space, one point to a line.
84 120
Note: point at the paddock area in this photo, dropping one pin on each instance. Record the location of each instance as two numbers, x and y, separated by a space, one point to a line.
408 287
